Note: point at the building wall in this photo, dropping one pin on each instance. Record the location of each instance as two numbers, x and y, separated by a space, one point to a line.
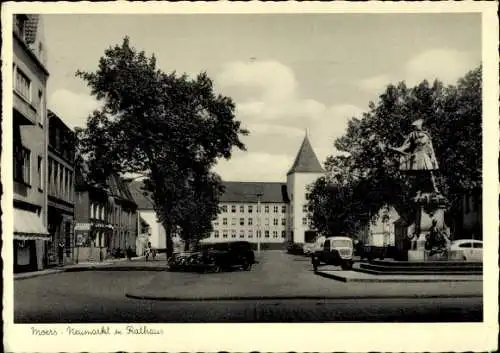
29 102
61 192
245 222
33 137
297 192
158 234
382 231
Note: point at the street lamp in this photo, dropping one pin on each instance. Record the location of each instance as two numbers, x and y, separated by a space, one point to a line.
259 194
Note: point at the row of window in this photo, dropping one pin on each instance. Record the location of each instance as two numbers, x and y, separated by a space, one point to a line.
23 86
22 168
100 212
60 181
267 208
249 234
305 221
61 141
250 221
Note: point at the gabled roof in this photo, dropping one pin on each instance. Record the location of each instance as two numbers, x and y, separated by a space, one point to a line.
142 198
249 191
306 160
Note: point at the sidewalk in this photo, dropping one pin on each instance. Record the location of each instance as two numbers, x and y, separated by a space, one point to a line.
355 276
135 264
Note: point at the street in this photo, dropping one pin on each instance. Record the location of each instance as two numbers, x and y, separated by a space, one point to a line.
280 288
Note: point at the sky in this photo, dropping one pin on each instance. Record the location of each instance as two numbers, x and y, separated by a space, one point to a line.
286 72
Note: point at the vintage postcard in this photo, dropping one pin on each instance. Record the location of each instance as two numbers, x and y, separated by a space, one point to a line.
230 176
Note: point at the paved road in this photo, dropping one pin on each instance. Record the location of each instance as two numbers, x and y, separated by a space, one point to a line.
100 297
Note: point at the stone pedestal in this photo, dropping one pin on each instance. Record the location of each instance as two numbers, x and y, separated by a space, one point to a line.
429 207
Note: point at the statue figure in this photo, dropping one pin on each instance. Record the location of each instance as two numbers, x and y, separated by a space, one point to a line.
437 240
418 154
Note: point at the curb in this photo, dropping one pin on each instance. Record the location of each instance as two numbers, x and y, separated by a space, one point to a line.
36 274
116 268
311 297
96 267
399 280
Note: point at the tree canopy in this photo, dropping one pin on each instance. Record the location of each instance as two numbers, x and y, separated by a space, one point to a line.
169 128
365 176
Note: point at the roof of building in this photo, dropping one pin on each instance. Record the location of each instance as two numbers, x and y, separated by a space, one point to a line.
249 191
119 188
306 160
31 28
235 191
56 120
141 197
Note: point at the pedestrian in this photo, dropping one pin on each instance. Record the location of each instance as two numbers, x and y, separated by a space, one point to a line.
61 253
129 253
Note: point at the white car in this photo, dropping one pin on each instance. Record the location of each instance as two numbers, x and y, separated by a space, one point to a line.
466 250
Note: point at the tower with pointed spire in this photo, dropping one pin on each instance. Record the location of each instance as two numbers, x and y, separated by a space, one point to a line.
304 171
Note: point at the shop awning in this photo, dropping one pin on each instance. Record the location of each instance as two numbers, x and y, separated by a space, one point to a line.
28 226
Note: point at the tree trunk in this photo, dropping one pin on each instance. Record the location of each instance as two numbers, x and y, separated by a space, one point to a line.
168 243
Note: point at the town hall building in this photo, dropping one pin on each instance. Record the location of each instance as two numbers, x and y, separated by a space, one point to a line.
268 213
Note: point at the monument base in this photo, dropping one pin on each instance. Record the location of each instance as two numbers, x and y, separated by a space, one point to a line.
416 255
424 255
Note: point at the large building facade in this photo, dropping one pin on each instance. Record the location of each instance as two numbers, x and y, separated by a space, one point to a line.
270 213
253 211
30 135
61 194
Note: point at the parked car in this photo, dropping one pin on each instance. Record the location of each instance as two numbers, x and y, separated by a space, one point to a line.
466 250
181 261
295 248
336 251
222 256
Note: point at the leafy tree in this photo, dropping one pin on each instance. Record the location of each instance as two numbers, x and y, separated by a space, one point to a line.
367 173
166 127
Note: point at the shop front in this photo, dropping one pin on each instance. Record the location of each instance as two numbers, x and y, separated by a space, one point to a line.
92 241
30 237
60 245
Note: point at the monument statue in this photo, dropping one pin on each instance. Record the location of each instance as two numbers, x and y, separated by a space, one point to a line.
417 158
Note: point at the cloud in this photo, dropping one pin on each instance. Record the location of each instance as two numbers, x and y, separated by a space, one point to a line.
255 166
446 65
332 125
269 104
266 90
374 83
274 129
271 80
73 108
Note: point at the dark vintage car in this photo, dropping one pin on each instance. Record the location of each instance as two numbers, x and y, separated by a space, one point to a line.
222 256
215 257
336 251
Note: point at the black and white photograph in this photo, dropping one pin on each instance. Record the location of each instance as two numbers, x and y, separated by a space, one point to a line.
238 167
